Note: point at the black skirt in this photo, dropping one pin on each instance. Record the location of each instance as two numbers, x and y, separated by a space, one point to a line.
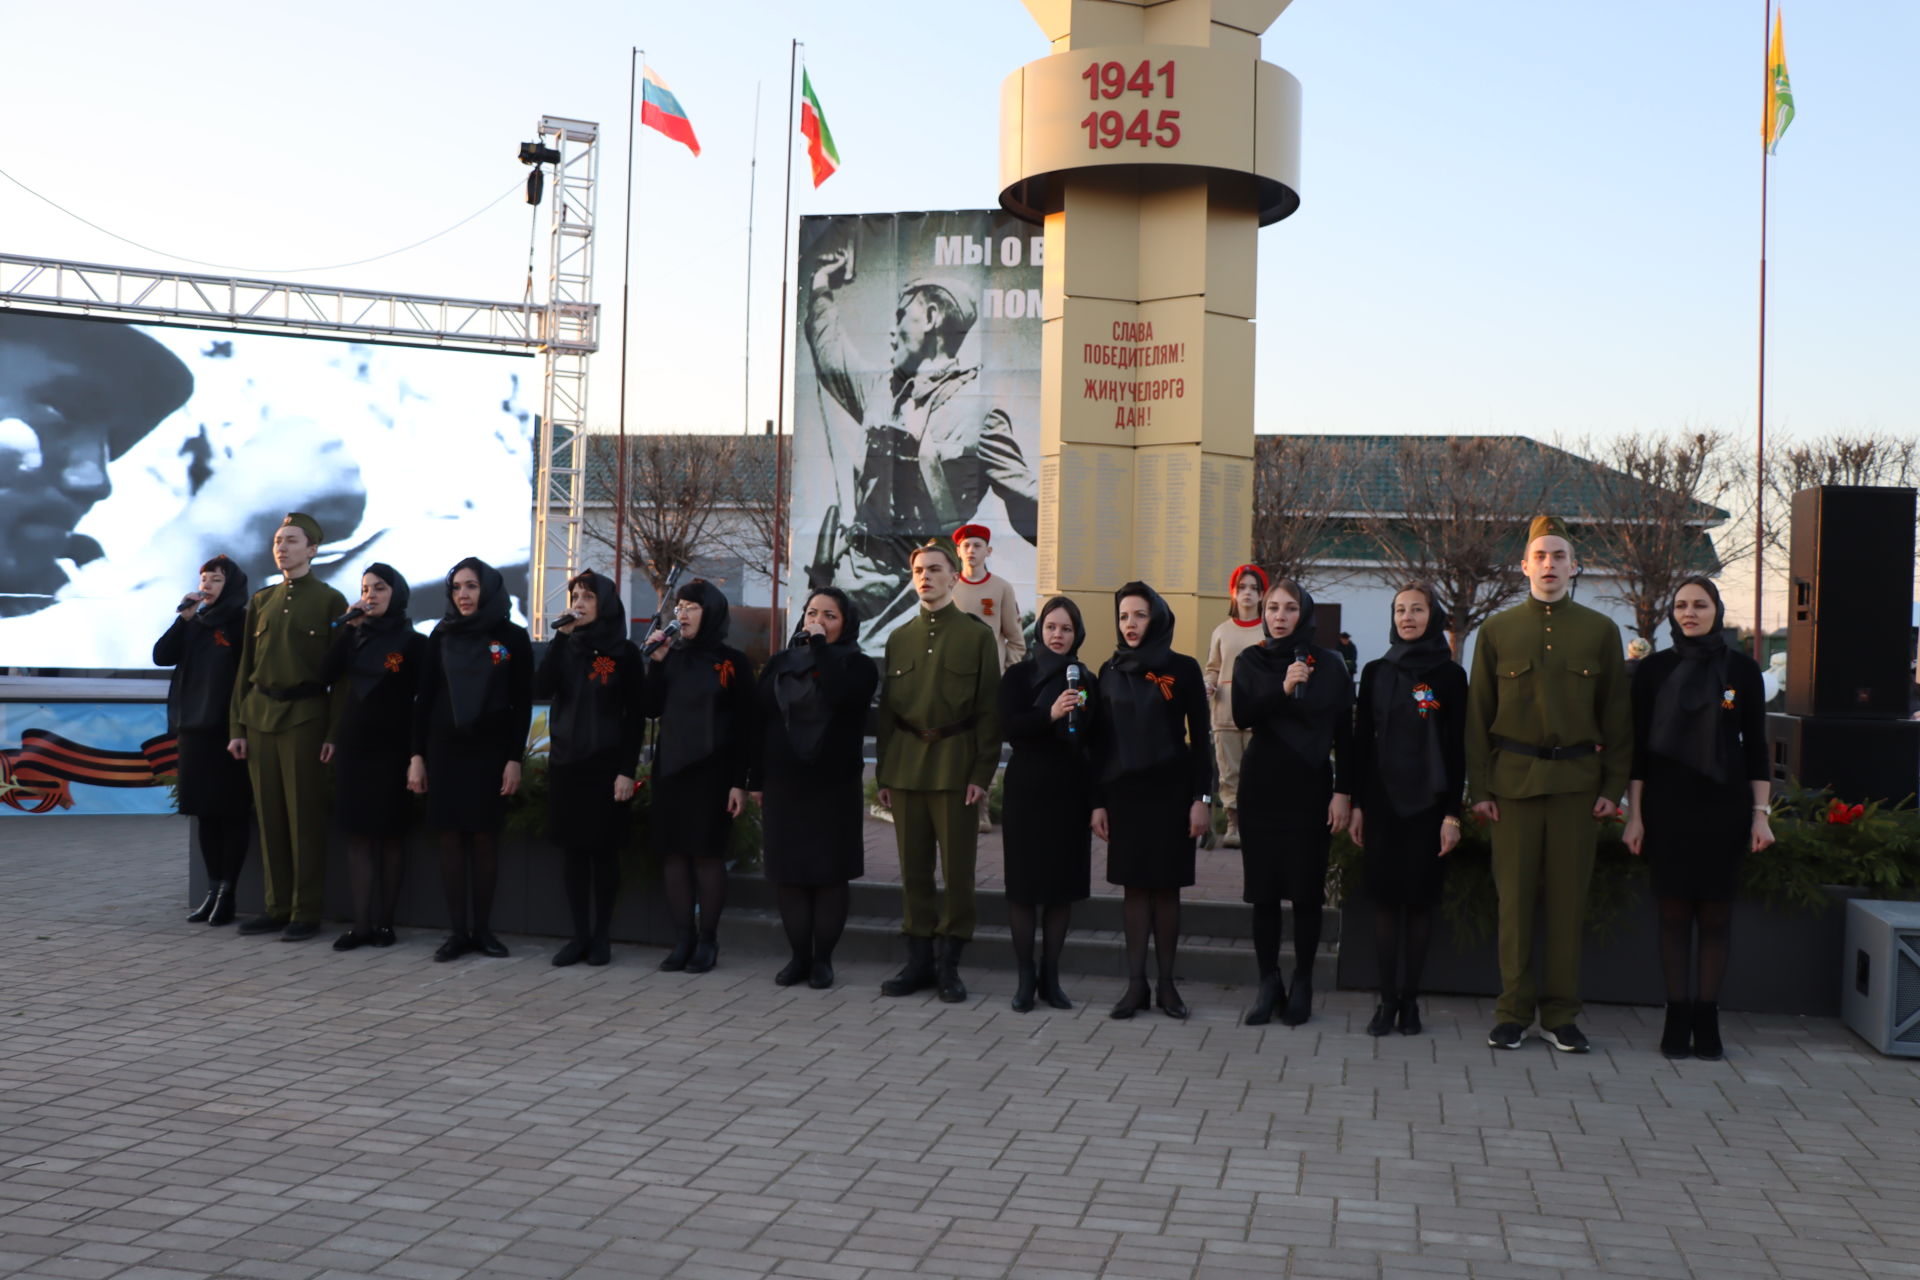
1147 844
1698 832
813 828
1044 814
581 810
1284 841
212 783
689 816
1402 861
463 783
370 795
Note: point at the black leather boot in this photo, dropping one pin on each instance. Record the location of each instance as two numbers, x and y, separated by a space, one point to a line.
1706 1031
1272 992
917 974
222 903
1050 987
676 959
1383 1016
204 912
952 990
1676 1036
1023 988
1299 999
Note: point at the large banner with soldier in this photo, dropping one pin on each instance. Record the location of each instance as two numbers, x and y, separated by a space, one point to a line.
916 401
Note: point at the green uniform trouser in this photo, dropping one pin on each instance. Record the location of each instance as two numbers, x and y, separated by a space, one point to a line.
1542 847
290 794
921 821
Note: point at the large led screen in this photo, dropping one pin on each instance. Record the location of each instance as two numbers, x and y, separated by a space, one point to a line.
132 454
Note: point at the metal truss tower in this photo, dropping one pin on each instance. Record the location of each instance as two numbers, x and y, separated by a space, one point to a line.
572 333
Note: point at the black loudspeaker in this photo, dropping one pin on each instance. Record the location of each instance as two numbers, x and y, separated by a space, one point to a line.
1850 604
1861 760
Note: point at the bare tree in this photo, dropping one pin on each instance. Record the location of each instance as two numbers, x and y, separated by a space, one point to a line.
1298 488
1841 458
1660 494
678 490
1452 511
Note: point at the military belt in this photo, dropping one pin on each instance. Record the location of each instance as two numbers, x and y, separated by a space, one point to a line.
935 735
1549 753
294 693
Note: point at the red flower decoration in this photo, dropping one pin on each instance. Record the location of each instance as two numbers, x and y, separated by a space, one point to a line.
1425 700
1165 683
220 638
499 653
1842 814
602 670
393 660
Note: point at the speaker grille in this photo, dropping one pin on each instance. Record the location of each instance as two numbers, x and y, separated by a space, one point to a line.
1906 987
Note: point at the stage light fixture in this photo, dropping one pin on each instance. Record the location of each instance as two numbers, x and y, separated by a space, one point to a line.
538 153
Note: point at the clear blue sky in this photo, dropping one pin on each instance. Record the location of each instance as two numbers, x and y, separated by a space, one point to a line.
1517 216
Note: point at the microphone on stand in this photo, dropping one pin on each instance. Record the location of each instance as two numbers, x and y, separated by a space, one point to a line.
1302 653
1073 684
352 615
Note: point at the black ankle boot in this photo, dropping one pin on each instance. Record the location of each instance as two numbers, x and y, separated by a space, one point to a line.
1383 1015
916 974
706 954
1706 1031
1050 987
1023 988
1409 1019
204 912
222 903
1299 998
677 958
571 954
952 990
794 972
1676 1035
1272 993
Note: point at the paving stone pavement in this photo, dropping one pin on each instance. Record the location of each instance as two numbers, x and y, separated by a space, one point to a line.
177 1102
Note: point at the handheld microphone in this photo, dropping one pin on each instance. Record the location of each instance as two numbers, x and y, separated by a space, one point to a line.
191 600
1302 653
799 637
561 621
358 611
1073 684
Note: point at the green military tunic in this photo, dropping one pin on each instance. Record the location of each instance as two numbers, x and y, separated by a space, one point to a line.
288 630
938 732
1546 677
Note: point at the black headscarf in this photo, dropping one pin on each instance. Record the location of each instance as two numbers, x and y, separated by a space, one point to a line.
467 653
233 595
805 707
1686 710
1307 724
1138 733
692 726
374 639
1408 749
609 626
1050 668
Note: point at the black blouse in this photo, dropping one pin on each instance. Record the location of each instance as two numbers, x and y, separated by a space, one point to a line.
729 733
1268 712
383 718
848 679
1185 719
1363 760
599 703
1027 727
509 695
205 659
1743 727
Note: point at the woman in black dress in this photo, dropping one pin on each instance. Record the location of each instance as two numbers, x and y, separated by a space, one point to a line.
1697 802
1408 770
702 692
469 734
1153 768
1296 698
806 773
379 655
593 675
1048 805
203 648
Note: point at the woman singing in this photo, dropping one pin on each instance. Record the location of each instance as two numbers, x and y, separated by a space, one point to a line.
702 693
1153 765
806 774
1048 809
379 655
592 674
469 733
203 648
1297 700
1697 801
1408 770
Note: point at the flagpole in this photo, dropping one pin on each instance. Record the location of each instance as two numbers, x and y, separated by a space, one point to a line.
746 342
780 427
626 278
1760 412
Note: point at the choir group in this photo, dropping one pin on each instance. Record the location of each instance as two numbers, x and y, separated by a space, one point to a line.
271 690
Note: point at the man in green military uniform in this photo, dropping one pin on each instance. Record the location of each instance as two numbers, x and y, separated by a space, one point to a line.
281 722
938 741
1549 745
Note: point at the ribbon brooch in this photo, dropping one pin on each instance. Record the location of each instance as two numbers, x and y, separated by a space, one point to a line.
1727 698
1165 683
602 669
1425 700
393 660
498 651
724 670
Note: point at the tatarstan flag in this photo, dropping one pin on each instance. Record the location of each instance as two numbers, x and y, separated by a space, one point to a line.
813 126
1779 90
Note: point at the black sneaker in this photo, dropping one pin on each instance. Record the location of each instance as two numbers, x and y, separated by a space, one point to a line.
1508 1035
1567 1039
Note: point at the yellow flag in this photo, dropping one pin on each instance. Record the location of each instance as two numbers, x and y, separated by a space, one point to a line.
1779 91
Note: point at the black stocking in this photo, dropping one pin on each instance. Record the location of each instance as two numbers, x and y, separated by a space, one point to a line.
1266 938
797 916
577 875
676 879
1166 932
1676 945
1306 935
1020 919
712 875
1716 930
360 877
223 845
1136 911
1053 925
455 869
1419 937
830 905
1386 949
486 875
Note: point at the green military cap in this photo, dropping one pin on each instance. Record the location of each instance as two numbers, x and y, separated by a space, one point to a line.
306 524
1548 527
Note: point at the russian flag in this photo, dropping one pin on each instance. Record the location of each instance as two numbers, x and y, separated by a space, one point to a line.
659 109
